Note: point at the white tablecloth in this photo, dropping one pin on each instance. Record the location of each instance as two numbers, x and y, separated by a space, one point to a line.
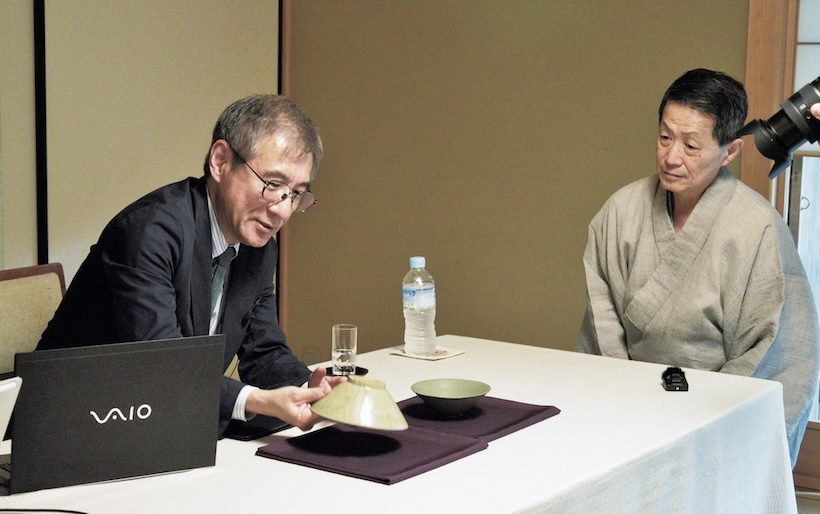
620 444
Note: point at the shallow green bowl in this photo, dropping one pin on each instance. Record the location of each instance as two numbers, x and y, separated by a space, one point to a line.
450 397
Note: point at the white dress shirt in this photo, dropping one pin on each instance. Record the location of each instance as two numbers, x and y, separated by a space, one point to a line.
218 247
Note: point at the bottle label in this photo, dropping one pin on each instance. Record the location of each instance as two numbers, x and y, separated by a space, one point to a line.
419 299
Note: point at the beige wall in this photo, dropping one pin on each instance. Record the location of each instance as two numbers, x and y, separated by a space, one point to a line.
133 91
18 206
483 134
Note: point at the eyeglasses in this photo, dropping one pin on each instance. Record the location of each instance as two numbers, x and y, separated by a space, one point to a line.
275 192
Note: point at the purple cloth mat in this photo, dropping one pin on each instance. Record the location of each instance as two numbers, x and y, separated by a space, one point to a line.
490 418
380 456
430 442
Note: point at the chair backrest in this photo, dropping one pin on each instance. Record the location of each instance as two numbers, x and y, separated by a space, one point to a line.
28 299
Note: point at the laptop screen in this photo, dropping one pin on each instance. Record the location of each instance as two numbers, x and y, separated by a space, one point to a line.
94 413
9 390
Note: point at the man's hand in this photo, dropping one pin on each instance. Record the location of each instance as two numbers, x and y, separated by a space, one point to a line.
815 111
292 404
319 377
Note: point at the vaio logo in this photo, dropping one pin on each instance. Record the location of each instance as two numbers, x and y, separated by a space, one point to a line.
141 412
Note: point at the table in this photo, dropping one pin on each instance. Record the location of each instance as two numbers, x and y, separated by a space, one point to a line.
620 444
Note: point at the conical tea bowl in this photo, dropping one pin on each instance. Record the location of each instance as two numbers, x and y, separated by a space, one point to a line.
361 402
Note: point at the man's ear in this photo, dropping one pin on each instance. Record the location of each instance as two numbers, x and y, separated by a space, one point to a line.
220 160
733 150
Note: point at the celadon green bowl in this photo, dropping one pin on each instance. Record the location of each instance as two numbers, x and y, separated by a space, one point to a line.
361 402
450 397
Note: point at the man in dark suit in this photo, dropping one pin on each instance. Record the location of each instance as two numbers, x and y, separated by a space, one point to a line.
150 274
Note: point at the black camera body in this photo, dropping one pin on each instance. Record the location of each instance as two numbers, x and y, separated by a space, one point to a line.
789 128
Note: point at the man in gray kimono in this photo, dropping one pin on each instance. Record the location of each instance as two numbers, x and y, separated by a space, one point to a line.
692 268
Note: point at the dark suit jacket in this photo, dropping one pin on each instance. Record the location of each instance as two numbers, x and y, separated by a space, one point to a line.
148 277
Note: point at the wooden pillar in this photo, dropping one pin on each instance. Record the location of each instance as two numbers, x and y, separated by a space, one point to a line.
769 77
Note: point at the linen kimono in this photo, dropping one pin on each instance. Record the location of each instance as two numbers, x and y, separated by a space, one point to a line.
727 294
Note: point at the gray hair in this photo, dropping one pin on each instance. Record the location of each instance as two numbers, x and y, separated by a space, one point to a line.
245 122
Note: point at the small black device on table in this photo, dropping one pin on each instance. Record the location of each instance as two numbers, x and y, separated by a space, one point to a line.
674 379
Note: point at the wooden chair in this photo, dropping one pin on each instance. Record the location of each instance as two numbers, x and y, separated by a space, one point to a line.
28 299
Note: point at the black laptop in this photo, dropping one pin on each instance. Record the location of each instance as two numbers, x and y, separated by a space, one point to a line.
96 413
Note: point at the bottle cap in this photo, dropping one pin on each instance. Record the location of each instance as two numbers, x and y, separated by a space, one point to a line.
418 262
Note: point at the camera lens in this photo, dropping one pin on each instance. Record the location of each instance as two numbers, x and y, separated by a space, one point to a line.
789 128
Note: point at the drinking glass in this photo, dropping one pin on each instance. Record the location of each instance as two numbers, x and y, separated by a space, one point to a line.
343 352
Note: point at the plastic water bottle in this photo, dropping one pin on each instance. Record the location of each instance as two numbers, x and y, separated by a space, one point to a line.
419 299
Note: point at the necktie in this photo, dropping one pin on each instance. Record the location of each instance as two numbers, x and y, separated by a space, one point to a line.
221 264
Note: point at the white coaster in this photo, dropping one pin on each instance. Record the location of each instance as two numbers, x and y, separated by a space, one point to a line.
440 353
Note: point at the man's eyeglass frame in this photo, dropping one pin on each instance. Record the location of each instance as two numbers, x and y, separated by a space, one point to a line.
297 198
